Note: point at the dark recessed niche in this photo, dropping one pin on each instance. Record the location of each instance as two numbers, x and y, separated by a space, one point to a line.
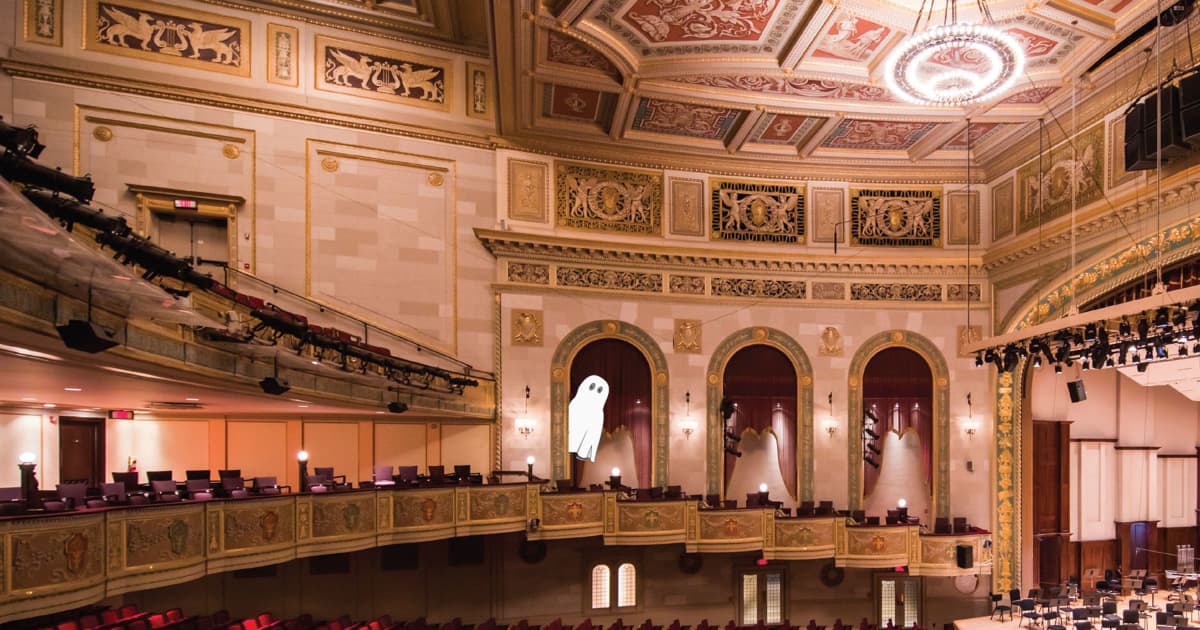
400 557
332 564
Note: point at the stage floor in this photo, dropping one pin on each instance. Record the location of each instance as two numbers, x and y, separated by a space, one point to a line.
987 623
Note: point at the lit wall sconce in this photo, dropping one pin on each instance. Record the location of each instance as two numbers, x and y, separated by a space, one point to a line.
969 425
29 483
524 423
529 467
302 462
688 424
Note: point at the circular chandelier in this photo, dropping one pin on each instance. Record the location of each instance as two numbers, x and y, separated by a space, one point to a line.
954 65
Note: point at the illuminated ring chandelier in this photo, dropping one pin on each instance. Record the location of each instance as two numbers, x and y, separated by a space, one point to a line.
988 62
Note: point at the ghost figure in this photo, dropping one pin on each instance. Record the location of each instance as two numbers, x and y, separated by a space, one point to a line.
585 417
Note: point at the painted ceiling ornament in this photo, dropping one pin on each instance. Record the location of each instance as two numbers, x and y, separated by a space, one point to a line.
955 64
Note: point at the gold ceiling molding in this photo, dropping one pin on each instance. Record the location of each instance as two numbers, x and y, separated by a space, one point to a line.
194 96
1177 189
363 23
555 249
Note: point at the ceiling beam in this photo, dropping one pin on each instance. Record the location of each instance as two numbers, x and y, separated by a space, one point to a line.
743 131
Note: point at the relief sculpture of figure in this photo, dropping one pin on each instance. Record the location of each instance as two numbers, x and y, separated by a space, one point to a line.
120 25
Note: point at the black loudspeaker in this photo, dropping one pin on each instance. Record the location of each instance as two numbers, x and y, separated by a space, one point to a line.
1189 108
397 407
532 551
1173 145
1135 156
1076 391
400 557
965 556
274 386
83 335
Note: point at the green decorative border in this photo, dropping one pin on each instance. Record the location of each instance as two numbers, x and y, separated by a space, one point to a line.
804 403
941 413
560 371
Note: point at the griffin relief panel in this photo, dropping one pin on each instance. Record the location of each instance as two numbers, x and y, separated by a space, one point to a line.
757 212
168 34
608 200
393 75
896 218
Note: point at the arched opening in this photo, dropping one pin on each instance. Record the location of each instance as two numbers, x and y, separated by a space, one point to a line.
760 380
627 441
898 432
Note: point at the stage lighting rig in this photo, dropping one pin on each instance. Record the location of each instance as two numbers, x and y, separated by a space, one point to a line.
20 140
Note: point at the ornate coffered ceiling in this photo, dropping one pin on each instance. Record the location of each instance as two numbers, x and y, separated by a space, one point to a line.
776 82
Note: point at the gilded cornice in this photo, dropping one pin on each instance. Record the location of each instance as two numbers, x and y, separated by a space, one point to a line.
361 22
1103 217
556 249
195 96
862 168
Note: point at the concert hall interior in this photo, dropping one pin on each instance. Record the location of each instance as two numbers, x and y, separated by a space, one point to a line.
599 314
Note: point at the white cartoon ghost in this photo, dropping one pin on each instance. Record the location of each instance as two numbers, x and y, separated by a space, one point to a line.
585 417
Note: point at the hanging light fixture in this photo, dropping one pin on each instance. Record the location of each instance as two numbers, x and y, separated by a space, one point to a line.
956 63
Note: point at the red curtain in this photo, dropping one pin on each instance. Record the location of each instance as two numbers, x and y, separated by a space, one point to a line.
629 396
898 387
762 381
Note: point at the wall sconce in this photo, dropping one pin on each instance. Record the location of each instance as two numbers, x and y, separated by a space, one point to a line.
688 424
970 426
524 423
29 483
529 467
302 462
831 426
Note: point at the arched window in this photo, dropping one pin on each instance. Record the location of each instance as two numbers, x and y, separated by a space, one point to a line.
626 585
606 582
601 586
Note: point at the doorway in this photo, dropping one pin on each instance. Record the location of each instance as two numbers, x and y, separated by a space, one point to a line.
898 599
202 239
81 450
762 597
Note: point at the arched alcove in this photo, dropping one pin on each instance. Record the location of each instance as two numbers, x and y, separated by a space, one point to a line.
760 380
940 442
897 390
721 356
627 438
560 394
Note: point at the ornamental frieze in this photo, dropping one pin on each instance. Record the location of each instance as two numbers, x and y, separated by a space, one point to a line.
872 291
759 288
400 76
896 218
960 292
582 277
687 285
529 273
608 200
756 212
168 34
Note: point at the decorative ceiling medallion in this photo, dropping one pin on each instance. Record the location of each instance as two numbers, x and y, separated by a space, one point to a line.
955 65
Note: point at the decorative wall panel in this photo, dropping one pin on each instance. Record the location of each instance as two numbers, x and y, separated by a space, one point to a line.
528 191
828 212
896 218
529 273
168 34
687 207
51 556
687 285
802 539
43 21
259 524
962 218
343 516
875 291
609 200
381 239
164 539
687 335
399 76
480 90
758 212
960 292
1002 209
586 278
758 288
1078 165
283 55
527 327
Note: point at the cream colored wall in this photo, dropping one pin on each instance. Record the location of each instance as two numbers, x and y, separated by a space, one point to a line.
175 445
28 433
467 444
970 492
333 444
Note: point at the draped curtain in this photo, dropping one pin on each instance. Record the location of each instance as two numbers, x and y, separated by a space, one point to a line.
762 381
629 391
898 388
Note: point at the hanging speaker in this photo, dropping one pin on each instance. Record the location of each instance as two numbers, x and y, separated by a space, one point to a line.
1189 108
1076 391
1168 124
1135 155
85 336
965 556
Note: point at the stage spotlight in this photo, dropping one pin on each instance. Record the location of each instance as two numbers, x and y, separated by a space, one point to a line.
868 459
20 140
727 408
871 434
1077 339
19 168
874 449
729 450
85 336
1085 365
1037 361
1124 328
1160 317
978 359
397 407
1089 332
1196 348
1179 319
732 437
274 385
1182 351
1058 368
1143 328
1121 358
1142 367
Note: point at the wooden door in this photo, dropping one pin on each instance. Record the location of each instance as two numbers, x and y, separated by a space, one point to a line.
1051 514
81 450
